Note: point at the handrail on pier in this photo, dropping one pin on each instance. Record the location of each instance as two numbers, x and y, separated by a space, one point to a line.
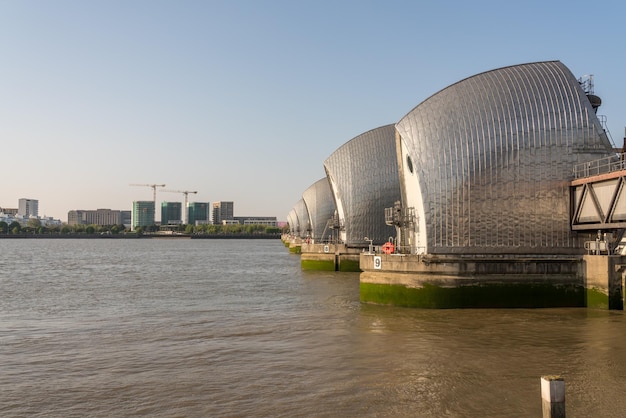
604 165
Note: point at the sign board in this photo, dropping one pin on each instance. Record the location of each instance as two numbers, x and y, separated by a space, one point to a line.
378 262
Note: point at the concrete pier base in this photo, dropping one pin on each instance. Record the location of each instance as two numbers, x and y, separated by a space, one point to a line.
471 282
330 257
293 243
604 281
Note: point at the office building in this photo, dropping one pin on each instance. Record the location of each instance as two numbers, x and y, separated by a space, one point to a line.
223 211
171 213
198 213
143 213
102 217
28 208
256 220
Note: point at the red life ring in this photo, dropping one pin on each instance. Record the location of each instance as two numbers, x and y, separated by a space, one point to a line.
388 248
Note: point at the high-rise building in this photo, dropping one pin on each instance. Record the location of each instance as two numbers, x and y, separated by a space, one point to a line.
171 213
222 211
198 212
28 208
143 213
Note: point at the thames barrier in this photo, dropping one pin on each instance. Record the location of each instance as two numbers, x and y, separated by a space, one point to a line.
502 190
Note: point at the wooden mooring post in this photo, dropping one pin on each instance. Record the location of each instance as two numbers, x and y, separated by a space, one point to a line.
553 396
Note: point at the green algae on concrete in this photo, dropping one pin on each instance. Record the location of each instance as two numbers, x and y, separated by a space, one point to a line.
514 295
597 299
334 263
295 249
348 265
318 265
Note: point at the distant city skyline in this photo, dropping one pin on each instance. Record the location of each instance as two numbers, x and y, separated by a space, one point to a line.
158 213
243 101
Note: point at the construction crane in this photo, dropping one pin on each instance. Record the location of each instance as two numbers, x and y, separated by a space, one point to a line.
185 210
154 187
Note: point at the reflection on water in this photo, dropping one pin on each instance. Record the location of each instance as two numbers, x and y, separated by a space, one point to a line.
235 328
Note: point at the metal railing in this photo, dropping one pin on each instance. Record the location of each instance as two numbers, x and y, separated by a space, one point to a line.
604 165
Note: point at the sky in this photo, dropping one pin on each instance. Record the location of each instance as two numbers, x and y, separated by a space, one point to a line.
243 100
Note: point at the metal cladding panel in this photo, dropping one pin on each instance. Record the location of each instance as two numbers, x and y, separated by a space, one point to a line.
493 155
320 205
302 214
292 220
364 175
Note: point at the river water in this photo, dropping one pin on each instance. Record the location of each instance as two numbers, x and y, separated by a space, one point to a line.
228 328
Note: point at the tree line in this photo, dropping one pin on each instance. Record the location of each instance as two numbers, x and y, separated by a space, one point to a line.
34 227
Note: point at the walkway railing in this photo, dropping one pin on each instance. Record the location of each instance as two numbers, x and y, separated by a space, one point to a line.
604 165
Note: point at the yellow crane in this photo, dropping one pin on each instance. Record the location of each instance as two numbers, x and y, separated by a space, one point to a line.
185 210
154 187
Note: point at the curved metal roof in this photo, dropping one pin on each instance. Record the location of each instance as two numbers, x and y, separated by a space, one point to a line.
303 225
320 205
292 220
363 176
485 162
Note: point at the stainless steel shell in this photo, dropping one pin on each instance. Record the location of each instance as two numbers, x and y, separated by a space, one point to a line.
299 223
320 205
486 162
363 176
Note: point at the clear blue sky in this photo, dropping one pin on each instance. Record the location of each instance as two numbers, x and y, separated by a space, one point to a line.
243 100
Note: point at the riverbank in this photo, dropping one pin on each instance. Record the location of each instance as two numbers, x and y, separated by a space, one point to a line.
140 236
